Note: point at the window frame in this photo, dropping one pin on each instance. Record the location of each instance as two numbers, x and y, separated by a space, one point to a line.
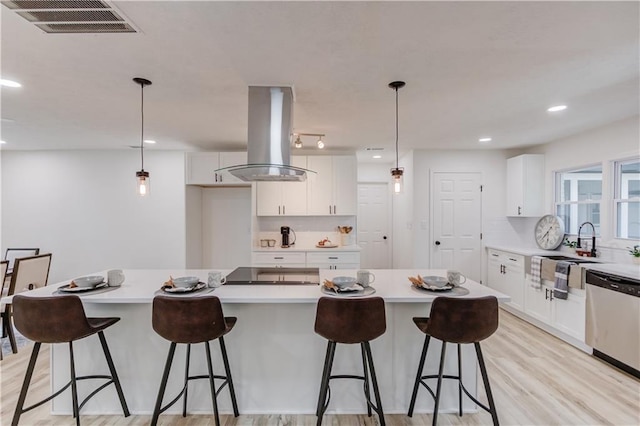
558 191
617 200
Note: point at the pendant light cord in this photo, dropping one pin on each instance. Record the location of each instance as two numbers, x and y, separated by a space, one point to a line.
396 127
142 127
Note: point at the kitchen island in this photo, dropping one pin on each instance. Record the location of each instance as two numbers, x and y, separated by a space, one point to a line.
275 356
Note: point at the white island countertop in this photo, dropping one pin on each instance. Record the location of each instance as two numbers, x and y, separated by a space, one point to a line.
140 286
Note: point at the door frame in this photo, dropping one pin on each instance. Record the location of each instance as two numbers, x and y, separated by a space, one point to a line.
432 173
389 215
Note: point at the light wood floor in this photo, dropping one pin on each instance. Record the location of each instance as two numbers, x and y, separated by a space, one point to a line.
536 380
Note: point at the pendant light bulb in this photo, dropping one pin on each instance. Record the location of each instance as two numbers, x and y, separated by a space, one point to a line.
142 176
320 143
397 172
298 142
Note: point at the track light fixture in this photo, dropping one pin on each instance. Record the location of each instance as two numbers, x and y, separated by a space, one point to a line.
298 141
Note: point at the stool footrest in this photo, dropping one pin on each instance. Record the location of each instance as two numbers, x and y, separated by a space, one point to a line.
184 388
65 387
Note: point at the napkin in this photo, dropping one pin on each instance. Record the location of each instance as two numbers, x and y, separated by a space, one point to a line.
168 284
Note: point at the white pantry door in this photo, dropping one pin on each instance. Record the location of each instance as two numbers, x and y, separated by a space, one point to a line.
457 223
373 225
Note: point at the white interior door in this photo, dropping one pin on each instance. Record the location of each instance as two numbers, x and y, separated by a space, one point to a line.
457 223
226 227
373 225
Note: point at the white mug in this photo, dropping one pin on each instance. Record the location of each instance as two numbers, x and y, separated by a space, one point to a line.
364 278
215 279
115 277
456 278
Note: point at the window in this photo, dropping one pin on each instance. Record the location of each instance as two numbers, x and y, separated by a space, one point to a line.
627 199
578 197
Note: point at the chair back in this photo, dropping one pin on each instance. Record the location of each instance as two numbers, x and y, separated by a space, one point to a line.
4 265
463 320
350 320
14 253
188 319
54 319
29 273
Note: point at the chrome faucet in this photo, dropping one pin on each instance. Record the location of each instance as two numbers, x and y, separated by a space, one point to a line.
593 238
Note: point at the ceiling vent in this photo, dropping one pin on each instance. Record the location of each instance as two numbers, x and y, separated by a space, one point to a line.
83 16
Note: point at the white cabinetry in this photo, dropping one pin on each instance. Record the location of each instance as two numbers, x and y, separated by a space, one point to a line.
340 260
280 259
201 166
525 185
505 273
333 188
283 198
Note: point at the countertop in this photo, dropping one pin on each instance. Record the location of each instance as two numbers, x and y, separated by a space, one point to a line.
623 270
279 249
392 285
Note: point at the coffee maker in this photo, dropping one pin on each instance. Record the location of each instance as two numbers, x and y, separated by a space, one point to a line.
285 230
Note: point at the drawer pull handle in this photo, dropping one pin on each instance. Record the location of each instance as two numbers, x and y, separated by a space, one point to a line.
278 257
333 257
494 255
512 259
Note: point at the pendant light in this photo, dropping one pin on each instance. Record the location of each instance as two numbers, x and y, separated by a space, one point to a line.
142 176
397 172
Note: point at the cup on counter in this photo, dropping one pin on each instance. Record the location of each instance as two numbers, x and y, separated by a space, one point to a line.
456 278
364 278
115 277
264 243
215 279
271 243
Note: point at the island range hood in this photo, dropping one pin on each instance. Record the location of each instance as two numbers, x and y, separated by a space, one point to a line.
269 137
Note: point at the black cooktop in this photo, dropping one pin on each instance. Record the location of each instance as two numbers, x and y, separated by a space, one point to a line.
277 276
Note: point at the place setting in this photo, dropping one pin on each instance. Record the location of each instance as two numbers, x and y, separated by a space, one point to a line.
191 286
451 285
93 284
344 286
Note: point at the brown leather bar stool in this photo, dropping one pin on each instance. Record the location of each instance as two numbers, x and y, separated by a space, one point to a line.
192 320
61 319
350 321
457 320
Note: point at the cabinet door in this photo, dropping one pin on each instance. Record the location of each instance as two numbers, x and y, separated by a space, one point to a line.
228 159
515 194
294 194
268 198
536 302
514 279
569 315
200 168
345 190
494 272
320 186
525 185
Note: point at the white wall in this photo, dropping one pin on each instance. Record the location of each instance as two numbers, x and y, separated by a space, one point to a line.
82 207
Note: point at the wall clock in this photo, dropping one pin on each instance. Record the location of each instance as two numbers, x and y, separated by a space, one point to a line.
549 232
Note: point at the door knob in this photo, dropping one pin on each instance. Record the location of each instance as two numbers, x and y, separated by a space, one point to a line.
437 243
384 237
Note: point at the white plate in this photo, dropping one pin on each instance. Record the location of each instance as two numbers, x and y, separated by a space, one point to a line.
184 289
185 281
368 291
446 287
90 281
66 289
327 246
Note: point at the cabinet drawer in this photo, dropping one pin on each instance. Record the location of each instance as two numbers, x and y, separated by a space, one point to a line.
279 258
332 258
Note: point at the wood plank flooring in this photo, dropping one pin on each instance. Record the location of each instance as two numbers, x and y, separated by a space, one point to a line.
536 380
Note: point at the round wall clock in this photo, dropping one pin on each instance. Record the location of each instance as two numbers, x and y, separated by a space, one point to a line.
549 232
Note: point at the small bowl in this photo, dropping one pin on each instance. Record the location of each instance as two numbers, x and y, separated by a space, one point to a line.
185 281
90 281
435 281
344 282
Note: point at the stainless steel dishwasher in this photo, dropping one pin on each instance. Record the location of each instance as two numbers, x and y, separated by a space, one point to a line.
613 319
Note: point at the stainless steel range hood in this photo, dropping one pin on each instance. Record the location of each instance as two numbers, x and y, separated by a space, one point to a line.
269 137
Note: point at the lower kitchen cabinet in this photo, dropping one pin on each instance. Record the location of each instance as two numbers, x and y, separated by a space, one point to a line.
342 260
312 259
280 259
505 273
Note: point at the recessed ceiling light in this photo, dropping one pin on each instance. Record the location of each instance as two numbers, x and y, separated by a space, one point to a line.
149 141
557 108
377 156
484 140
9 83
7 120
2 142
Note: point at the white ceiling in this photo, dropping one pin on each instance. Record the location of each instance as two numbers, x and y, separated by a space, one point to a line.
472 69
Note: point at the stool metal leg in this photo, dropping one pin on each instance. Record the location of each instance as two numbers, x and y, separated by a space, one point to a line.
367 391
114 374
214 399
74 385
435 407
163 384
459 381
25 384
8 328
487 387
374 381
227 370
416 385
324 384
186 381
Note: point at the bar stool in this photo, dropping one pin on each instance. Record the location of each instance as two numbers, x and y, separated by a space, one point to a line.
61 319
350 321
457 320
192 320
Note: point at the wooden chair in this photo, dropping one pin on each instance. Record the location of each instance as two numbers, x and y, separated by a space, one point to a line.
15 253
4 265
28 273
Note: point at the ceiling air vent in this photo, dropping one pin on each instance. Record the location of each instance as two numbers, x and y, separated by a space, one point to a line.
90 16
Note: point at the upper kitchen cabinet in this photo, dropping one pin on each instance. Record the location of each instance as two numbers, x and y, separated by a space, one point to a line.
283 198
201 168
333 188
525 185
